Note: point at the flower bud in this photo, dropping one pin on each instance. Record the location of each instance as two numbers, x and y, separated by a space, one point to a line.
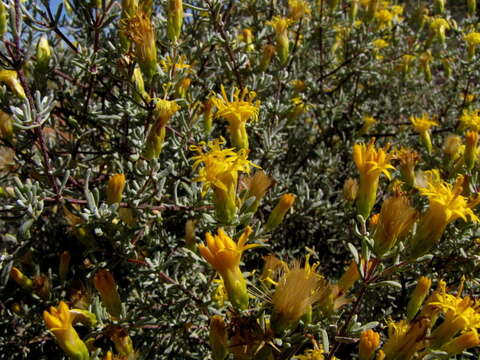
115 187
281 24
369 342
257 186
207 115
44 53
106 286
440 6
350 190
218 338
137 78
418 296
22 280
278 213
174 19
3 19
190 234
349 277
182 87
6 126
41 286
461 343
471 145
64 265
123 343
352 12
10 77
452 147
472 7
268 52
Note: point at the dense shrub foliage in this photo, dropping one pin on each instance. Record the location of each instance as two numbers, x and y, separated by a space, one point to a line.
257 179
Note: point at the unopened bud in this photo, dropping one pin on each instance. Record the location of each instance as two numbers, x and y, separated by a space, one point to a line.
218 338
22 280
471 144
418 296
3 19
174 19
207 115
6 126
472 7
268 52
440 6
10 77
190 242
123 343
64 265
44 53
106 286
369 342
41 286
115 187
278 213
350 190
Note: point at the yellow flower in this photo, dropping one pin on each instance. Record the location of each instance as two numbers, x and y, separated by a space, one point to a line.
246 36
116 184
368 122
384 18
267 54
106 286
174 19
408 159
278 213
164 110
395 221
446 204
237 111
380 43
59 322
369 342
257 186
224 255
471 147
280 25
371 163
178 64
10 77
298 9
461 343
350 190
418 296
422 125
218 338
220 171
453 147
470 119
460 315
295 293
139 29
438 26
404 338
473 40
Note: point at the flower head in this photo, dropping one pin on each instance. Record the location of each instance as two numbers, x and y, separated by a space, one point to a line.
297 290
222 252
369 342
224 255
371 161
139 29
447 199
116 184
472 39
298 9
422 123
59 322
220 166
470 119
237 110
